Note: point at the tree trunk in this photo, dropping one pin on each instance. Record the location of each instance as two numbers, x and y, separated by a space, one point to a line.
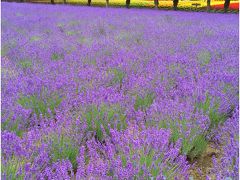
156 3
89 3
175 3
65 1
208 5
107 3
226 5
52 1
127 3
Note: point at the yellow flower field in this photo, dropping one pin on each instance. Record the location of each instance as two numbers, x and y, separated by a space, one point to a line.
142 3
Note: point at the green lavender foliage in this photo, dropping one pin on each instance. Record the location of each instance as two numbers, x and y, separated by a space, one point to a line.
35 38
118 76
212 111
12 167
25 64
40 105
193 145
100 117
12 126
149 161
204 57
57 56
143 103
62 147
4 51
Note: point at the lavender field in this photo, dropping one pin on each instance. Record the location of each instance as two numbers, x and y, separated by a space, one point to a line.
111 93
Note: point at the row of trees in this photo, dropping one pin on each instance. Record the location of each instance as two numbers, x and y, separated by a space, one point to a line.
156 3
175 4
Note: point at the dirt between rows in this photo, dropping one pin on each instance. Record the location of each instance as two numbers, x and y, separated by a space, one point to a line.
203 165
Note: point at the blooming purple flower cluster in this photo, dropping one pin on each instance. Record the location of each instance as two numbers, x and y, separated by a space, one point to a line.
134 153
228 165
94 93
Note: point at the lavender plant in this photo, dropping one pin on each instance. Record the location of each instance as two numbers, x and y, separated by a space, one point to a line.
62 147
13 169
90 93
133 153
227 165
40 106
102 118
193 140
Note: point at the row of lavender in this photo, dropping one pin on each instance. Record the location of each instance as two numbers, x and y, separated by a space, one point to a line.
117 94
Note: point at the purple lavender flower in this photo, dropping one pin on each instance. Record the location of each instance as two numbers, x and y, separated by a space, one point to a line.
159 95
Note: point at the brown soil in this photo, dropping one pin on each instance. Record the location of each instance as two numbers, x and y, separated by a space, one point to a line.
204 163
